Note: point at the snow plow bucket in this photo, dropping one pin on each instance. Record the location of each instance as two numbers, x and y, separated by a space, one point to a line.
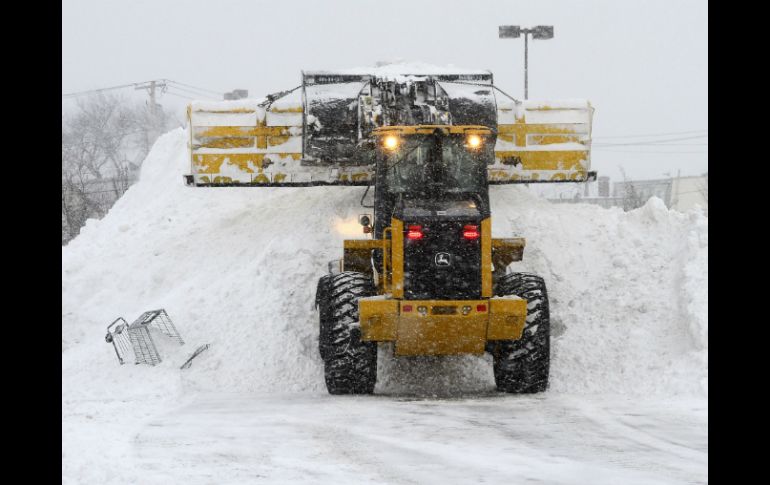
542 141
320 133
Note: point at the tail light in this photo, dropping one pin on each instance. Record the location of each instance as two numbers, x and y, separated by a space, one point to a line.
414 232
471 232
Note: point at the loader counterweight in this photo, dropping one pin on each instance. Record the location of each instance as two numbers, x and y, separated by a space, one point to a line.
441 327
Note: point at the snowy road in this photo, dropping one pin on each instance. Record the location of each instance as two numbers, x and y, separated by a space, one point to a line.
311 438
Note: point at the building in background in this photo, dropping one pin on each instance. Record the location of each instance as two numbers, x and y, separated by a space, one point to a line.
679 193
688 192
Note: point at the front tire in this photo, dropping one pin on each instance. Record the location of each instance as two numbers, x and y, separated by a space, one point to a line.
522 366
350 364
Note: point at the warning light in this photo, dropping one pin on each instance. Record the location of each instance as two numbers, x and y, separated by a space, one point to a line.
414 233
471 232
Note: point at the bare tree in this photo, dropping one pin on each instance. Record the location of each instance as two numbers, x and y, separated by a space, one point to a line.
103 145
632 198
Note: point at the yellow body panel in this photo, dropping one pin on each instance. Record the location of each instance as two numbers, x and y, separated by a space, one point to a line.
523 134
440 334
428 129
397 236
357 254
379 319
543 143
547 159
507 317
442 328
486 257
507 250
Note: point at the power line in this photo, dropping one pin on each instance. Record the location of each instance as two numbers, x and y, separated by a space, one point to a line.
123 86
188 91
195 87
179 95
649 151
654 134
92 91
653 142
78 191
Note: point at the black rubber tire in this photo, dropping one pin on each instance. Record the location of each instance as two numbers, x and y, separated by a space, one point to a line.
350 365
522 366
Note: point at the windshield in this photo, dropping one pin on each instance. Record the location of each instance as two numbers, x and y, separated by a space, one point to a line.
458 169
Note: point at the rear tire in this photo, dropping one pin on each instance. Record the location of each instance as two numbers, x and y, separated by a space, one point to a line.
350 364
522 366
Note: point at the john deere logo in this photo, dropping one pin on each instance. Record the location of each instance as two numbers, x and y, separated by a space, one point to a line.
443 259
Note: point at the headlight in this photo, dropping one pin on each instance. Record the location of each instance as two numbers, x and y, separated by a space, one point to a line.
391 142
473 141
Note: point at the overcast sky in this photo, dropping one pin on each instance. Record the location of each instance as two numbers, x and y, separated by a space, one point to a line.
643 65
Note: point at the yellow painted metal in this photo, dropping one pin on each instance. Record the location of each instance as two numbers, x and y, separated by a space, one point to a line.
397 237
236 145
541 142
442 327
230 110
547 159
546 175
520 132
385 279
259 130
432 334
357 254
295 109
212 164
428 129
505 251
486 257
378 318
549 139
507 317
354 177
362 243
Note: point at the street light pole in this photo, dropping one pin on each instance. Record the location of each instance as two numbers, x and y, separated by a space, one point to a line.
526 67
514 32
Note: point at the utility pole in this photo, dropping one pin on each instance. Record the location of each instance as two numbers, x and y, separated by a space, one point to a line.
154 128
514 32
151 86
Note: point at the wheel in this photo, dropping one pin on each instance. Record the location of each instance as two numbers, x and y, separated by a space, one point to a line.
522 366
350 365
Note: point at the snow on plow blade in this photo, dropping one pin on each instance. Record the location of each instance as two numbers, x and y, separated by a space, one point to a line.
320 132
542 141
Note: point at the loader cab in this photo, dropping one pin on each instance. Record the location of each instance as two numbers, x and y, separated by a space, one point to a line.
432 191
431 170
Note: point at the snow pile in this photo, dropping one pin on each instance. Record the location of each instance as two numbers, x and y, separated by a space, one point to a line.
629 292
237 268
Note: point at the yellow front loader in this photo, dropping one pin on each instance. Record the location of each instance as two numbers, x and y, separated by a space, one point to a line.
431 280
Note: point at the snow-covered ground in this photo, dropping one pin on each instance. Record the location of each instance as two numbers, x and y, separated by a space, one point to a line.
237 268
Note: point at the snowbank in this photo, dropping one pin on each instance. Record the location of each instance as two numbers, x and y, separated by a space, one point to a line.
237 268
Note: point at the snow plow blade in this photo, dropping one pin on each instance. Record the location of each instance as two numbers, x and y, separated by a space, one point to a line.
319 133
